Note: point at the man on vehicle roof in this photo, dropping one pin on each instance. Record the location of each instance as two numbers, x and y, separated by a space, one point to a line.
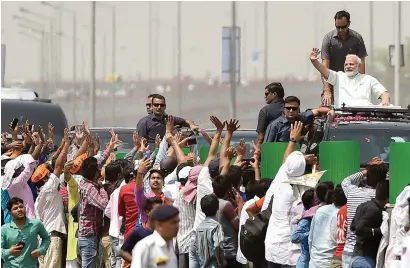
336 45
351 87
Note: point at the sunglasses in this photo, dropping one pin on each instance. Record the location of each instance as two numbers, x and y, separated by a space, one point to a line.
267 93
148 105
158 105
292 108
342 27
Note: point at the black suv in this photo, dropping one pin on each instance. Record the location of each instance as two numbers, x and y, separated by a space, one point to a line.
374 129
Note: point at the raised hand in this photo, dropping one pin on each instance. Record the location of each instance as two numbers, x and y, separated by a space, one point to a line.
296 131
68 166
157 141
136 139
217 123
170 124
241 149
144 165
232 125
314 55
50 131
144 145
231 153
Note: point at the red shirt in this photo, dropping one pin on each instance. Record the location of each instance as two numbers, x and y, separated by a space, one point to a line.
341 231
127 207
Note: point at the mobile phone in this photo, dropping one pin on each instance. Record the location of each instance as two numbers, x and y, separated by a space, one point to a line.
14 122
147 155
79 128
21 243
192 141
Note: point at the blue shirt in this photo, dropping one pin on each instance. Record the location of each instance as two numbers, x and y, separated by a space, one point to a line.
5 198
137 235
300 236
279 130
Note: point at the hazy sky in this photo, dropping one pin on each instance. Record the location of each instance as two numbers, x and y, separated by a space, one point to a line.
292 33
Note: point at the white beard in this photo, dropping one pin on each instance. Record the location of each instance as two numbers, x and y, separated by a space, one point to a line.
351 73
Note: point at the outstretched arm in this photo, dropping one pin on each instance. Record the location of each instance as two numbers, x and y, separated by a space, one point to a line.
314 58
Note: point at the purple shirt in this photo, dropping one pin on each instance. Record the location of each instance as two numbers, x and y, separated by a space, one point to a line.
140 199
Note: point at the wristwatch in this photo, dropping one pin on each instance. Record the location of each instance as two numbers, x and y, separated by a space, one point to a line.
293 140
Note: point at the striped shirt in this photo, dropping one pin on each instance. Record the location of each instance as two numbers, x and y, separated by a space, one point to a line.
355 196
187 217
207 244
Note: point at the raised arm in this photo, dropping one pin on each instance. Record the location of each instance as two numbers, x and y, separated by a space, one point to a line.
314 58
62 158
224 161
295 137
215 140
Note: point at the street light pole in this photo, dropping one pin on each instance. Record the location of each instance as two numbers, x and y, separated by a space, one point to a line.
74 51
114 36
92 69
265 67
397 53
150 42
42 40
370 66
179 61
232 57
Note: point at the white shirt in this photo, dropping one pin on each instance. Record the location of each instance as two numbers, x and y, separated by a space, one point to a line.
405 257
111 211
204 187
171 186
49 206
356 90
243 217
153 250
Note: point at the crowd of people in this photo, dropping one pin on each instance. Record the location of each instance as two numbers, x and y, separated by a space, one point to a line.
79 206
76 205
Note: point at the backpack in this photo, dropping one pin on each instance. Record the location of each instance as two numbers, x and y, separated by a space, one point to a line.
252 236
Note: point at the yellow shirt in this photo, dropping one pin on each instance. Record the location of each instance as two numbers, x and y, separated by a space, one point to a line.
73 199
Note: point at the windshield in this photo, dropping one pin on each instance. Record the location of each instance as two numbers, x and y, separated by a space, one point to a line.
373 142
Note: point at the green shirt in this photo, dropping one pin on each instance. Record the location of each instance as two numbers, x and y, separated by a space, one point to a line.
11 235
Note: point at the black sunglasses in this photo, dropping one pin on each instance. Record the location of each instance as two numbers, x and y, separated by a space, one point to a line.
342 27
267 93
292 108
158 105
148 104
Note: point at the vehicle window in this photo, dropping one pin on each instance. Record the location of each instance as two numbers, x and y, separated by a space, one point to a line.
234 142
126 138
373 142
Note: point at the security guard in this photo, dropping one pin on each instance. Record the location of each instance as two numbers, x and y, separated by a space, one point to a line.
157 250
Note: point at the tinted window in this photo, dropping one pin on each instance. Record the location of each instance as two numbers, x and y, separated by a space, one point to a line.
125 137
249 136
373 142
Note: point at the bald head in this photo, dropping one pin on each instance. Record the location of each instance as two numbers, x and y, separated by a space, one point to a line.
352 64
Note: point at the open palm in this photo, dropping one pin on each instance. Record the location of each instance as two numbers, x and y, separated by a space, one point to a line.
314 55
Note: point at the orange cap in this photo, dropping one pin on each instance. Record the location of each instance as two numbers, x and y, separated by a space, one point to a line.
78 163
40 173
